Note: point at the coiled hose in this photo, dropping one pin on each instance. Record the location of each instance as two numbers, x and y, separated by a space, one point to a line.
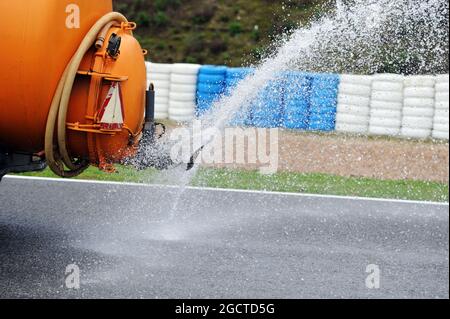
58 156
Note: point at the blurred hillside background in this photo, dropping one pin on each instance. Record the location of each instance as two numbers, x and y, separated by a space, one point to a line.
231 32
240 32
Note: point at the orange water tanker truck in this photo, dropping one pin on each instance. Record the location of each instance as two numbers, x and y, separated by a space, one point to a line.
72 87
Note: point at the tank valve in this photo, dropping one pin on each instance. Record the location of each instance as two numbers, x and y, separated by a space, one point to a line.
151 153
114 46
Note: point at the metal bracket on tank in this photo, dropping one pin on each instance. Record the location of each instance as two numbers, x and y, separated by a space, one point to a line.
105 76
95 128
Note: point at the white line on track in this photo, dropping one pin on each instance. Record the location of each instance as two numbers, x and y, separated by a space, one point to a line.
79 181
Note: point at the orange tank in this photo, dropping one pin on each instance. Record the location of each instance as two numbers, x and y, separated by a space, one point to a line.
39 39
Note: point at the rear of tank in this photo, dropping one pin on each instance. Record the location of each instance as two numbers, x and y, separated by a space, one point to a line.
39 38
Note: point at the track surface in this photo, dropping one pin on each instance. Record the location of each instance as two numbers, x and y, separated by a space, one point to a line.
218 244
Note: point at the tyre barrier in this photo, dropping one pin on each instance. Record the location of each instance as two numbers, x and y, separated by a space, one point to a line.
182 95
441 115
234 76
386 104
297 97
353 111
159 74
266 110
418 106
323 101
381 104
210 86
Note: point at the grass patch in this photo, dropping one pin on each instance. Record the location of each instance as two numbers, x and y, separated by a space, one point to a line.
123 174
324 184
285 182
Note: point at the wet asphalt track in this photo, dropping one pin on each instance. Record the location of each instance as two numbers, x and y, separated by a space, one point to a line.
219 244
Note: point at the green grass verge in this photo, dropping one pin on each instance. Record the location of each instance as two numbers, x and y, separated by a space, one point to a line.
325 184
285 182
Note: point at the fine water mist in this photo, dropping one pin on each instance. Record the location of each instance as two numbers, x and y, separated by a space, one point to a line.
354 36
360 36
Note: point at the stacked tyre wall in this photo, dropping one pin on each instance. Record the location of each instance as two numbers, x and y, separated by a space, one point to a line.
324 98
267 108
159 75
386 105
210 87
381 104
183 92
418 106
441 116
297 100
233 77
353 112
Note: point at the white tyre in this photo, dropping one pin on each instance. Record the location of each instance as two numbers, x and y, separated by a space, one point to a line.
161 116
441 127
380 130
158 77
418 122
181 88
387 96
382 113
442 113
442 78
182 105
182 112
442 87
386 105
440 135
442 105
442 97
185 68
184 79
441 120
415 133
419 102
161 85
420 81
355 89
181 118
182 97
387 86
389 77
352 119
161 93
352 128
419 92
162 107
353 100
161 100
386 122
356 79
418 111
353 110
159 68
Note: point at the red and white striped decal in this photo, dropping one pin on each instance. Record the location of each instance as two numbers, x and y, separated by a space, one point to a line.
112 113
